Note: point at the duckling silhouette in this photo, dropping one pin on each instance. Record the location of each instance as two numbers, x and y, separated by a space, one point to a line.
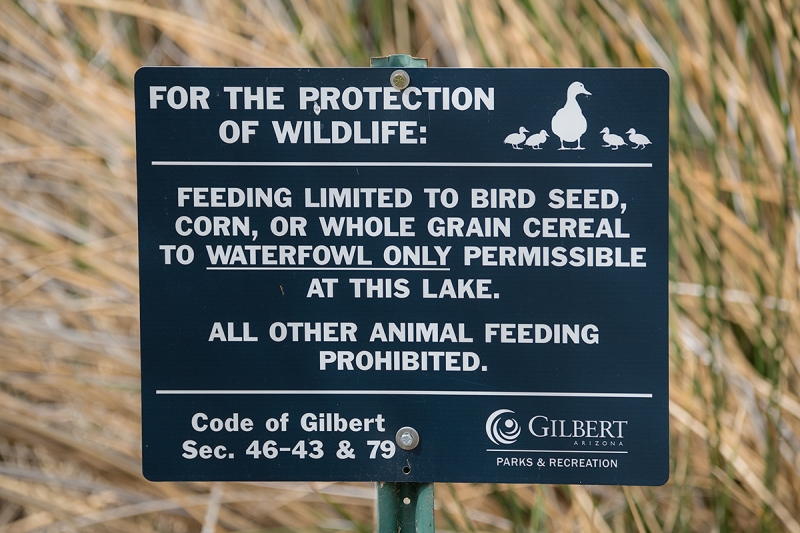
515 138
569 123
638 139
612 141
536 139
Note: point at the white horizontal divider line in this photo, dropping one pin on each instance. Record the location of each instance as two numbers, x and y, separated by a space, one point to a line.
404 393
391 164
548 451
404 269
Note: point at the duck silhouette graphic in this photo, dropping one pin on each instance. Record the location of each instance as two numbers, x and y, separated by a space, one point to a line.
535 140
569 124
612 141
638 139
515 138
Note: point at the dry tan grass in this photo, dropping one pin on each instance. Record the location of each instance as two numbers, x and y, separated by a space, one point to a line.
69 404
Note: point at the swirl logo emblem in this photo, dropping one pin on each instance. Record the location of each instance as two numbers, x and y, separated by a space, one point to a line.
508 433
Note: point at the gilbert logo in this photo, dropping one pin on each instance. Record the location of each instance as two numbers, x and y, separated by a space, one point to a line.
508 433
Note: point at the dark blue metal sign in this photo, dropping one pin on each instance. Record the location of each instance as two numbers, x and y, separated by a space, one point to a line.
481 257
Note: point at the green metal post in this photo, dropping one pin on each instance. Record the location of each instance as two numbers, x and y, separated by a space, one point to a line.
398 61
404 507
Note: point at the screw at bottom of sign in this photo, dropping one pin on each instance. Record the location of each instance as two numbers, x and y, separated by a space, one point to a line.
407 438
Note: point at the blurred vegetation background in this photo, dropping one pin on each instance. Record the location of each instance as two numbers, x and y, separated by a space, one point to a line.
69 399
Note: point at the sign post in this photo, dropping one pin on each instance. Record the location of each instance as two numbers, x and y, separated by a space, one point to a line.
449 275
403 506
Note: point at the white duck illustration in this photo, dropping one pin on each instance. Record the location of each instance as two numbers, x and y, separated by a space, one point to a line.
637 138
515 138
536 139
569 123
611 140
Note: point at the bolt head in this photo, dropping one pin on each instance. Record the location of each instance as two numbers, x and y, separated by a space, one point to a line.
400 79
407 438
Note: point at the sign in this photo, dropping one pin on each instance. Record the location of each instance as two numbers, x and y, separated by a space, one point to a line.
481 257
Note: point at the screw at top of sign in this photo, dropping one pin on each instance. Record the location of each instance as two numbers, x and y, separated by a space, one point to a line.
535 140
568 122
400 79
637 138
515 138
612 141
